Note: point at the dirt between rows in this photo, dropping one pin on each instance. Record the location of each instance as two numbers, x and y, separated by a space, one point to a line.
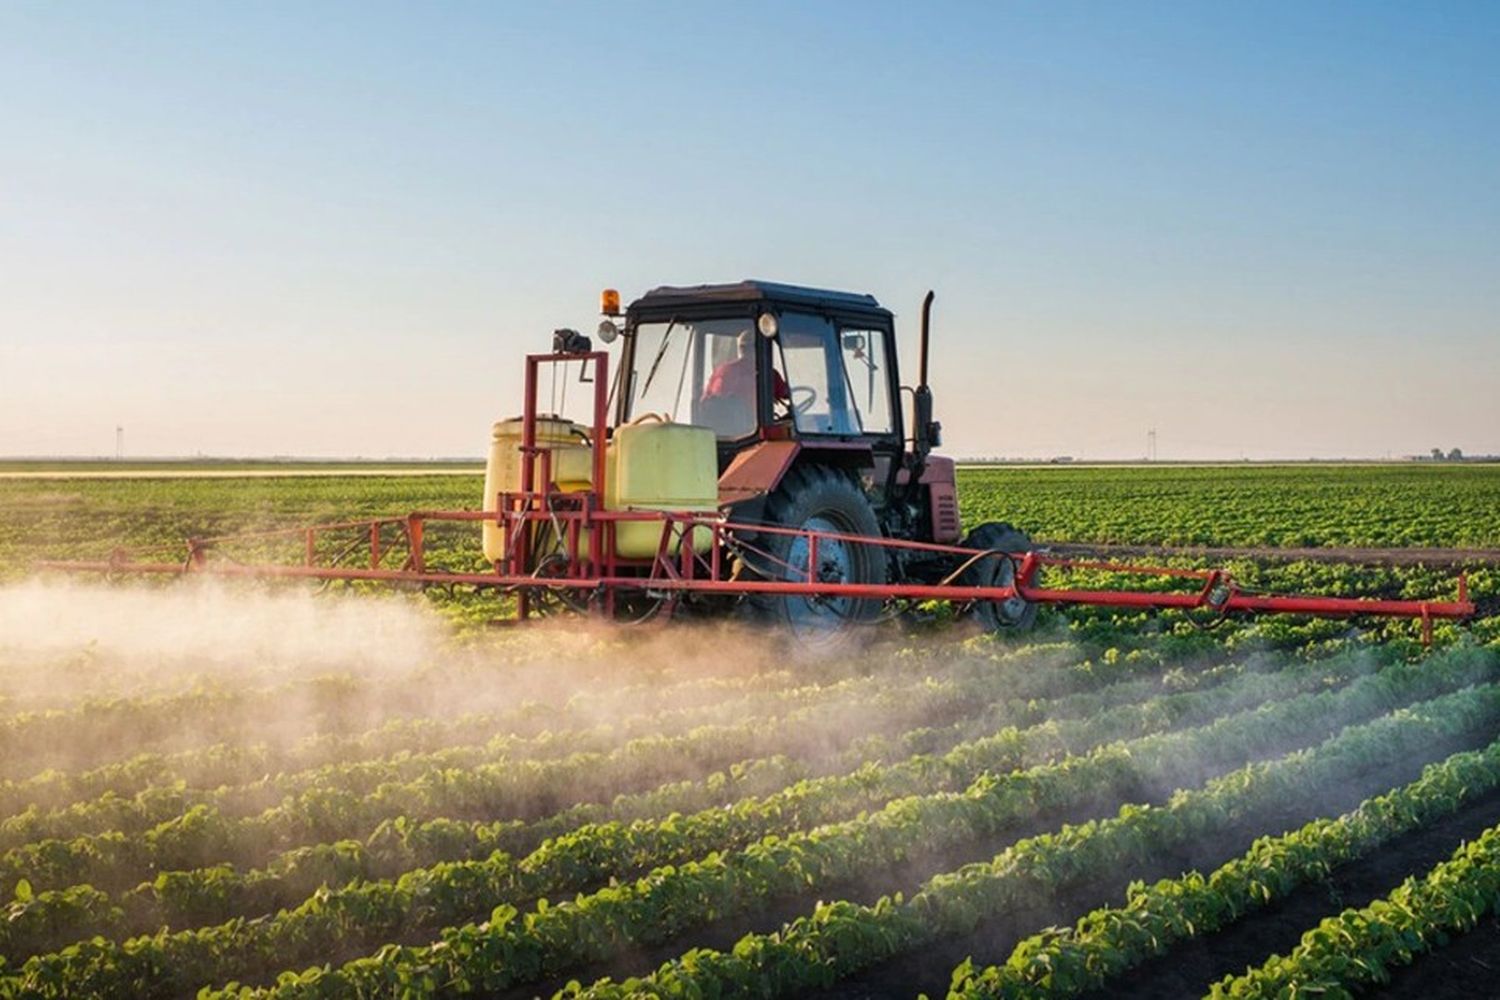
1397 556
930 969
1189 968
1468 966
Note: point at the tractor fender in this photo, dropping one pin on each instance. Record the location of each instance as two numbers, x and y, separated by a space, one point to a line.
755 473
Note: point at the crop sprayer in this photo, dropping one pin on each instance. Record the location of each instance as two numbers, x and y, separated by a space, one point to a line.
748 452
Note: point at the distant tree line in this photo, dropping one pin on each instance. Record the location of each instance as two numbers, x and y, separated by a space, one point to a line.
1451 455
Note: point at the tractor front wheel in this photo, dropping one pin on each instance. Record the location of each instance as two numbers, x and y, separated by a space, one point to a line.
1015 614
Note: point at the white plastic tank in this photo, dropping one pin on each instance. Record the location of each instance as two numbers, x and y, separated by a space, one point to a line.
571 461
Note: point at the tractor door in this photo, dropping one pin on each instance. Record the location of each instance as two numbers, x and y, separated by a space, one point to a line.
814 366
840 375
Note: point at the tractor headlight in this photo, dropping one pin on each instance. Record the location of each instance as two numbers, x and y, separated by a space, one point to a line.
608 331
767 325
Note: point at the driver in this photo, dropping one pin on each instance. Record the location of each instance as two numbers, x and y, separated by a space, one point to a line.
735 378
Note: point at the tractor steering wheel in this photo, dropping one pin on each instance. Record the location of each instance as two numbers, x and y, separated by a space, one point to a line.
809 396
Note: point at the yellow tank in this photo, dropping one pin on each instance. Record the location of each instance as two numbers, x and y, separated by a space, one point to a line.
571 459
660 466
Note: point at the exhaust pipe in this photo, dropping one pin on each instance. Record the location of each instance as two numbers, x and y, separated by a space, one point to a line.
926 433
926 328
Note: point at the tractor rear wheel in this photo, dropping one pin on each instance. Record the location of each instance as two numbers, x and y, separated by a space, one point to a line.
818 498
1015 614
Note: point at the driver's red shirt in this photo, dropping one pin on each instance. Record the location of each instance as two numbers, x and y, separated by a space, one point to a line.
736 377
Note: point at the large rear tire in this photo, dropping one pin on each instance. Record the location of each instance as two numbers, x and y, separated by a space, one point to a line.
1015 614
820 499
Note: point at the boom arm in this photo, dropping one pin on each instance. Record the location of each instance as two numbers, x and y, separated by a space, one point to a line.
689 571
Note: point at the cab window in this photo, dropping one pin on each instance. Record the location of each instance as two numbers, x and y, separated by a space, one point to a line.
869 383
700 372
814 367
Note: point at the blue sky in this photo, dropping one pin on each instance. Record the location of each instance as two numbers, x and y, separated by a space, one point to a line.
1269 230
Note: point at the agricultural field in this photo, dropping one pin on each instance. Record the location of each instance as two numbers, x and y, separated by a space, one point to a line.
237 792
1317 505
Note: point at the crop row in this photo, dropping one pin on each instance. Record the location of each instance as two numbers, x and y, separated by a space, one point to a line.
839 939
531 728
353 714
87 734
197 836
1111 940
31 741
633 710
453 892
508 949
246 780
1357 948
402 845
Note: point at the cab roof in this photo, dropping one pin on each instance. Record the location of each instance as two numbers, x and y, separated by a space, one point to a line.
753 291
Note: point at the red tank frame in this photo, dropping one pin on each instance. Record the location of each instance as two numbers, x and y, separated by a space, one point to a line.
596 580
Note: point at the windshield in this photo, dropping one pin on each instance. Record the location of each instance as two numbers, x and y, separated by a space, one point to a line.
699 372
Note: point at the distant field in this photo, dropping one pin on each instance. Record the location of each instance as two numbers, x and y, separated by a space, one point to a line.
46 513
87 517
101 469
1277 505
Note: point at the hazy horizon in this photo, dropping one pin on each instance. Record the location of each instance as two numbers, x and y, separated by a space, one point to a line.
478 460
1268 231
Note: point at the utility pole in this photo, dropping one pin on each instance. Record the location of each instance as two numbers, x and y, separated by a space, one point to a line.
119 443
1151 445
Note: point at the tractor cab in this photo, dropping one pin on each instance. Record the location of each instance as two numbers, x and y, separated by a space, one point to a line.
801 389
761 362
787 377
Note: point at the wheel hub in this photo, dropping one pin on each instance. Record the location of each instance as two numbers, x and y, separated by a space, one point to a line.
1012 608
834 565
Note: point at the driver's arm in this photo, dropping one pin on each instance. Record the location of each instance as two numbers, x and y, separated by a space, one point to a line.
779 389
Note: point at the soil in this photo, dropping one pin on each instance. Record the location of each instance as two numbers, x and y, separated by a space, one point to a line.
1191 967
1468 966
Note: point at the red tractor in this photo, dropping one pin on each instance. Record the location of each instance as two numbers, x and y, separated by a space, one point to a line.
803 392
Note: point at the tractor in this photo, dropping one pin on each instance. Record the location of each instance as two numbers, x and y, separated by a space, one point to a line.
802 390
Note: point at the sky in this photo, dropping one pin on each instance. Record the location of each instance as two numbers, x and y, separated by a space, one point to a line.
1267 230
